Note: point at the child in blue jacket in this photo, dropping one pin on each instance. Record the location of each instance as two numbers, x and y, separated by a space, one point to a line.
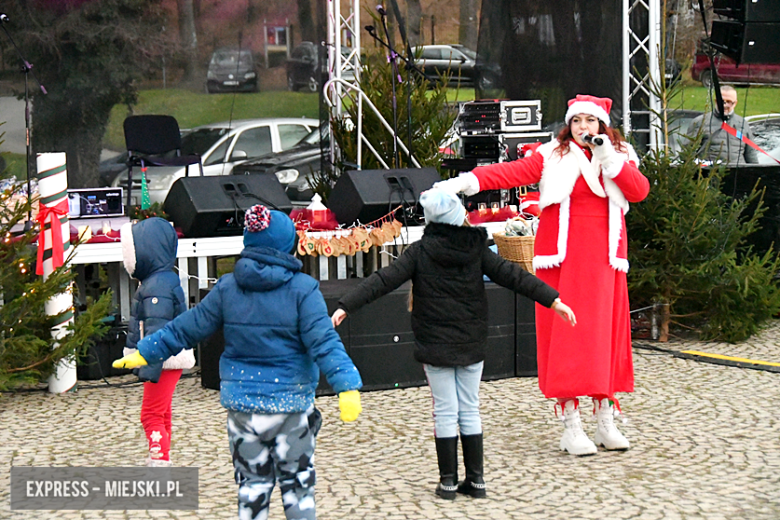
148 253
278 335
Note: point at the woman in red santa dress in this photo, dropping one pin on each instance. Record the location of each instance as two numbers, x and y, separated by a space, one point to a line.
584 193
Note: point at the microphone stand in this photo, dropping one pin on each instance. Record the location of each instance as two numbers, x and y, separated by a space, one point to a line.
410 66
714 75
409 60
395 75
27 70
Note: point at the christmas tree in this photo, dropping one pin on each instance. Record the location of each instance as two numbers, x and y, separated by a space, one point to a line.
28 353
690 254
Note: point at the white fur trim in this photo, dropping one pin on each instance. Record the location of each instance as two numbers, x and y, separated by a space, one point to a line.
183 360
615 228
473 183
612 170
587 107
128 247
588 170
548 261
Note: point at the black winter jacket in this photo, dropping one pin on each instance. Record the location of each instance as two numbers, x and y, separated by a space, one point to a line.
449 314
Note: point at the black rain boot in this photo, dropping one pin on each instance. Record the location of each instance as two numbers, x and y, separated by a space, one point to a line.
447 455
474 485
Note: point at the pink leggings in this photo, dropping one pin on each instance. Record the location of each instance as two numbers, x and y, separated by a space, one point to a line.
156 413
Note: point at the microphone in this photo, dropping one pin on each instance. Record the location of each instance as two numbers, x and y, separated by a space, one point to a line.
586 137
381 10
4 18
370 29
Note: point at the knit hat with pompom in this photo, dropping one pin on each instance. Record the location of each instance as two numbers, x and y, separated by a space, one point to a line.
268 228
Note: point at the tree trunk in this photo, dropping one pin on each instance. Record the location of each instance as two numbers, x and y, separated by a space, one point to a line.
188 38
468 33
413 22
306 21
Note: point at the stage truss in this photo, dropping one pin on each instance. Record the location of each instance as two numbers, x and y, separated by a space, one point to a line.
641 50
641 70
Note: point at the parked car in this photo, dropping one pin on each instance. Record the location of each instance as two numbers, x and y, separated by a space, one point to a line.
293 167
302 64
730 72
455 60
766 133
232 70
222 146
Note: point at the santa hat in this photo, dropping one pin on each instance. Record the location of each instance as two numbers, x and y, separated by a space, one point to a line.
592 105
267 228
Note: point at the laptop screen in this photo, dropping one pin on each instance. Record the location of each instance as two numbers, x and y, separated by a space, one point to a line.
95 203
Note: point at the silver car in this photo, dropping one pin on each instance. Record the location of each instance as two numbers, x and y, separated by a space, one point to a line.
221 146
766 130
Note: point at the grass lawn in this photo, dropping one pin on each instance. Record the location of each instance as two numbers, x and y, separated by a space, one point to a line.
195 108
15 166
751 101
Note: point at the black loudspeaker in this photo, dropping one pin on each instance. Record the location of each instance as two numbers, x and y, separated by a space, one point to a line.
525 337
210 352
380 342
367 195
747 42
214 206
378 338
96 363
748 10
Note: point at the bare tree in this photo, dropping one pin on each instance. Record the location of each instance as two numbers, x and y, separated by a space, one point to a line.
468 31
306 21
188 38
414 22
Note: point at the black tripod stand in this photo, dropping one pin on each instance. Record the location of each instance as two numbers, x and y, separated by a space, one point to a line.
393 57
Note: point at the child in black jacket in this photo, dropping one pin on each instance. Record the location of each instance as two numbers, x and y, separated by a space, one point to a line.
449 321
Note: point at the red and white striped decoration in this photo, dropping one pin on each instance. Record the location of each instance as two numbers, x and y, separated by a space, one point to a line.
53 191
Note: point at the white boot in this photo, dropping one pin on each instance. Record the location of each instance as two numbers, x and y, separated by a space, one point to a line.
574 439
152 463
607 434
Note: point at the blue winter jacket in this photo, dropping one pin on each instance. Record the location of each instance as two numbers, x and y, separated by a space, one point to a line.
149 252
277 333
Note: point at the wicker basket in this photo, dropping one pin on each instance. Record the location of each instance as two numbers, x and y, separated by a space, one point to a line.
516 249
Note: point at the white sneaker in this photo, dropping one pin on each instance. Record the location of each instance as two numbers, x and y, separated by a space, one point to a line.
151 463
574 439
607 434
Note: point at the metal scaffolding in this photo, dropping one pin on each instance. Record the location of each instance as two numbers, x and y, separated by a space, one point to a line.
641 70
641 51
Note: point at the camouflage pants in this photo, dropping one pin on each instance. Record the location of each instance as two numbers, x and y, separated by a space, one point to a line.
270 448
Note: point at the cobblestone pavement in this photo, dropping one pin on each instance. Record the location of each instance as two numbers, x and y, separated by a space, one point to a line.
704 446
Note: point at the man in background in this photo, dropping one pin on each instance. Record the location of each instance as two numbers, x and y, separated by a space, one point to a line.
717 144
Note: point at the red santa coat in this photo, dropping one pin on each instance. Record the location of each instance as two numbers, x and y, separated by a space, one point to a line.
580 250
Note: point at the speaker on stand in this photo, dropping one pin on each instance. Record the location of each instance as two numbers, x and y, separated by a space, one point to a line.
367 195
214 206
751 34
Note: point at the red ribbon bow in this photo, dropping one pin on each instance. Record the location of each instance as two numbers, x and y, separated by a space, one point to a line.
51 214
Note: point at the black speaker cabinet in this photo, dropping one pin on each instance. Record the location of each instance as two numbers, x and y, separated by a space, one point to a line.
96 364
380 342
525 337
209 353
214 206
367 195
747 43
748 10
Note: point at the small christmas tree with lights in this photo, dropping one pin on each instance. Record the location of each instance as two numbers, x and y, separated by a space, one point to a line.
28 353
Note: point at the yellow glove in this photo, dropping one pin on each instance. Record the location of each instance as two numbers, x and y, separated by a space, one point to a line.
349 404
133 360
